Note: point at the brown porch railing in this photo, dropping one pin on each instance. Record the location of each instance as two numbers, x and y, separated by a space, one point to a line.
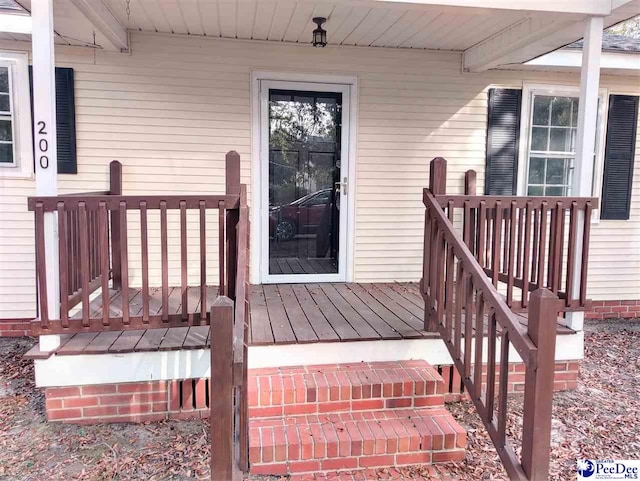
100 249
525 243
463 304
97 221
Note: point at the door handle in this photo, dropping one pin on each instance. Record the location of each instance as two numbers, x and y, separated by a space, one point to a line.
342 186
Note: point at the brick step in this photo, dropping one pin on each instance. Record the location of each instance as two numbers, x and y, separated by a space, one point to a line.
354 440
343 387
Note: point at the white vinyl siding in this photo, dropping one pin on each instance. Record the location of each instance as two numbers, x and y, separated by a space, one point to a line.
172 109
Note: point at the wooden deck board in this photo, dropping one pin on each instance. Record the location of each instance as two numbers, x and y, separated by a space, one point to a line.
280 314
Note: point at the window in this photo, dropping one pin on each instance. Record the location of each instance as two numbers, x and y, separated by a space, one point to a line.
7 156
552 145
16 150
550 126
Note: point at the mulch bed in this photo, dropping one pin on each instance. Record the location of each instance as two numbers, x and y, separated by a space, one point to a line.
598 420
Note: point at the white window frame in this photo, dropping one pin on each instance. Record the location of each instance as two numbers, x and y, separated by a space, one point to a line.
528 91
22 166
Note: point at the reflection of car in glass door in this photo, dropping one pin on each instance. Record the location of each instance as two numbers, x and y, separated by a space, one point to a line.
302 216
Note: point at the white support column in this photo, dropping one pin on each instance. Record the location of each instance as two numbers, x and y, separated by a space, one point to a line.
586 140
46 158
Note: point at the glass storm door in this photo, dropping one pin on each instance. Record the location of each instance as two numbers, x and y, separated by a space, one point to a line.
306 182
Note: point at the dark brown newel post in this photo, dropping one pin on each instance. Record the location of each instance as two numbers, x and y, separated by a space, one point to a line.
470 188
115 188
232 171
221 391
438 176
538 395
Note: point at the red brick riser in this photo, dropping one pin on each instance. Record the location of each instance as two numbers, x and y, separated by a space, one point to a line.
159 400
614 310
14 327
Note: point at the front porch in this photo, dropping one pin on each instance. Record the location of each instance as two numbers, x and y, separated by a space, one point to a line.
281 314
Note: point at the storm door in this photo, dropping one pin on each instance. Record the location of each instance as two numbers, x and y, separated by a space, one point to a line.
305 182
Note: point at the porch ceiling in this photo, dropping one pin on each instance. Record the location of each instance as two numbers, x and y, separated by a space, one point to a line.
475 27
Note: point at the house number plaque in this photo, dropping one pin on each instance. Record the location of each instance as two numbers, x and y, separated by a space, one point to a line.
43 146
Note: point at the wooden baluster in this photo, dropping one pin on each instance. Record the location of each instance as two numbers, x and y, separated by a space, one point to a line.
555 259
477 369
458 301
491 364
124 262
448 289
509 260
536 246
221 248
571 252
76 251
503 385
507 240
84 262
144 244
426 255
468 323
430 310
69 266
440 312
490 219
41 266
519 253
552 249
482 220
183 260
542 244
538 390
165 260
585 253
103 247
526 254
63 249
203 260
495 249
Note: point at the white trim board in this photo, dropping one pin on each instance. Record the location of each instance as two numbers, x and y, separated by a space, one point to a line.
90 369
318 81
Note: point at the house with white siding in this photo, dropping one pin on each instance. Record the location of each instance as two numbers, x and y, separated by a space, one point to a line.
379 205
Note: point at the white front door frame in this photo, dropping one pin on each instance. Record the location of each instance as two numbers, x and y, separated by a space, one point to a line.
346 85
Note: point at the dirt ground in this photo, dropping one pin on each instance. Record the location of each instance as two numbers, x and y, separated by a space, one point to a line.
601 419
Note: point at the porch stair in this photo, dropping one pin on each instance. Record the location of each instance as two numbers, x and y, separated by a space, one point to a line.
328 418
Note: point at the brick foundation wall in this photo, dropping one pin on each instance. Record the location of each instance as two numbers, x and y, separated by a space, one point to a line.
565 379
14 327
189 399
614 309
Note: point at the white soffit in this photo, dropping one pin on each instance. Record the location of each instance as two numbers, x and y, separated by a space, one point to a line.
614 63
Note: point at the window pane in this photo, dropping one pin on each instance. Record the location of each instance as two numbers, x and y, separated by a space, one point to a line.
560 140
556 172
535 190
539 140
6 153
555 191
541 110
536 170
561 111
4 79
5 130
574 112
4 103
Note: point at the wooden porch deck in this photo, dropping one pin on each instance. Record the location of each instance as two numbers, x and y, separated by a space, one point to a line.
280 314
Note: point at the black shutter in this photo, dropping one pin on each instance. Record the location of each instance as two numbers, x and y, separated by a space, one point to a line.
618 157
503 136
65 119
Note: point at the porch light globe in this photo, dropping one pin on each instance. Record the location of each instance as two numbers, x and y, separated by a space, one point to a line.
319 34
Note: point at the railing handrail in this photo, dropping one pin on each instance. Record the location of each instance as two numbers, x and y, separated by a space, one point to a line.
505 317
474 201
133 202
